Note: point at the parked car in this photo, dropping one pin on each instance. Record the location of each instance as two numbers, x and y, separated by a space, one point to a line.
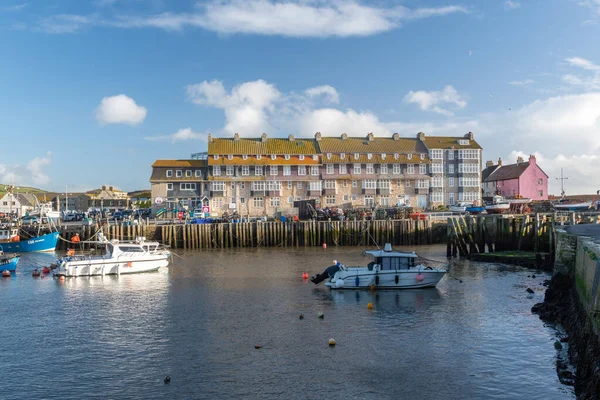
30 220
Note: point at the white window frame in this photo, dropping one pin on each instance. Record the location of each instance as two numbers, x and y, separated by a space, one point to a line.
273 170
169 173
301 157
301 170
396 170
229 170
217 170
357 169
422 169
258 170
343 169
179 173
287 170
245 170
330 169
314 170
410 169
370 169
198 173
383 169
169 187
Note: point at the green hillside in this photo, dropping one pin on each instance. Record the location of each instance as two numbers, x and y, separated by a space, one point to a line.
21 189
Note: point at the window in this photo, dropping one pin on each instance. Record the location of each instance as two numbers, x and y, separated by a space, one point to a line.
178 173
258 156
369 201
188 173
216 156
258 170
451 182
330 168
383 156
408 183
243 200
329 184
273 186
344 183
468 168
187 186
329 156
422 169
342 169
217 202
198 173
437 181
169 173
301 170
290 199
354 197
273 157
396 156
287 170
468 154
342 156
422 184
370 169
463 142
369 184
315 157
216 170
356 156
369 156
243 185
422 156
244 157
169 187
298 198
346 197
245 170
301 157
468 182
451 198
436 154
383 169
437 168
409 156
468 196
450 168
354 184
258 186
356 169
230 157
437 197
383 184
330 200
229 170
540 193
274 170
257 202
299 185
540 182
275 202
289 185
384 201
314 170
450 154
217 186
232 185
314 185
396 169
399 182
410 169
287 156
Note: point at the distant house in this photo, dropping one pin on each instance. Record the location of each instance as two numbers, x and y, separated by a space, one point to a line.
523 179
19 203
108 198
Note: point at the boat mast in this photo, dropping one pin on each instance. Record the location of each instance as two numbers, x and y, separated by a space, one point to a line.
562 183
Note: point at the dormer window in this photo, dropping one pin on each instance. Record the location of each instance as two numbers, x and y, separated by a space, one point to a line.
230 156
342 156
409 156
258 156
369 156
422 156
273 157
383 156
315 157
216 156
301 157
463 142
329 156
245 157
356 156
396 156
287 156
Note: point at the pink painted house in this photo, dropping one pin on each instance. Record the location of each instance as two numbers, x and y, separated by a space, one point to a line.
523 179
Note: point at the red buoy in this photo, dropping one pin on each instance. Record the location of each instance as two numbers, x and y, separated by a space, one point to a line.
305 275
6 273
324 245
46 270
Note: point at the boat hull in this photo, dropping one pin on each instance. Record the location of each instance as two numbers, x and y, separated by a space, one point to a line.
101 267
573 206
385 279
497 208
9 263
41 243
475 210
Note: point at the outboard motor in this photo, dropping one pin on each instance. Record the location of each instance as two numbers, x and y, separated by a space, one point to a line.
328 273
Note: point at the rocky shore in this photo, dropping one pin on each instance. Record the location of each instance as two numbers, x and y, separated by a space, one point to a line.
561 305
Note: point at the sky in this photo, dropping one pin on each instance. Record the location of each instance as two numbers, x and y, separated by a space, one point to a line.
92 92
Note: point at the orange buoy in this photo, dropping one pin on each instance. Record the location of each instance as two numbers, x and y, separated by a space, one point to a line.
130 264
6 273
70 252
370 306
15 239
305 275
61 278
75 238
324 245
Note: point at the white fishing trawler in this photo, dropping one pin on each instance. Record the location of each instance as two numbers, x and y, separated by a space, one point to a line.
119 257
388 270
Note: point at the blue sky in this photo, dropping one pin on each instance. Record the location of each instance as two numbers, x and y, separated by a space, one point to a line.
93 91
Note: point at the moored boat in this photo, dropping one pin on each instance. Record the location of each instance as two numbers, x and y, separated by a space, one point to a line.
499 205
459 208
8 262
573 205
475 209
11 241
388 270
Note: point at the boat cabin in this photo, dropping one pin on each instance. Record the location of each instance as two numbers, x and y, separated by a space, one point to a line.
390 260
7 234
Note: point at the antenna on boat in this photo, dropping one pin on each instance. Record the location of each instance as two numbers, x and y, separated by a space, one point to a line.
562 183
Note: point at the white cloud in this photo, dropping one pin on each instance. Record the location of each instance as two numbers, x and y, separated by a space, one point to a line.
331 95
35 173
64 23
120 109
428 101
593 5
524 82
587 82
38 171
333 122
296 18
583 63
511 5
14 8
180 135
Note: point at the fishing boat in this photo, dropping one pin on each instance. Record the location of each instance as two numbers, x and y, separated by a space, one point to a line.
499 205
8 262
389 270
573 205
12 242
519 200
473 209
117 257
459 208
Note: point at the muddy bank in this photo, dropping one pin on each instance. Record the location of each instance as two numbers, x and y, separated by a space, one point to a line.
561 305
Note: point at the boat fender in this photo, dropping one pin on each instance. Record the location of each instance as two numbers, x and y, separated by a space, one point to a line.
396 279
339 283
357 281
420 277
377 279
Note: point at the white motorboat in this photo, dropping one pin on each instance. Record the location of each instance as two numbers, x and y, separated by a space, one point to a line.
499 206
573 205
459 208
388 270
120 257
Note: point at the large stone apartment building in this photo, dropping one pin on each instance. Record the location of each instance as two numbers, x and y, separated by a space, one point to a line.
259 176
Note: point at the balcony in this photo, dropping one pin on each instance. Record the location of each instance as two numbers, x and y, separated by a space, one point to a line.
257 192
216 193
421 190
313 193
369 191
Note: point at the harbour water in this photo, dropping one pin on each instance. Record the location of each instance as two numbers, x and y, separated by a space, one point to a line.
199 321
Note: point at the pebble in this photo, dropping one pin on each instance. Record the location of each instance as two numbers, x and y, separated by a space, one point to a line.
321 315
332 342
167 379
301 316
529 290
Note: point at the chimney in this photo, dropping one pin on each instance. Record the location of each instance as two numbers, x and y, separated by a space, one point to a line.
210 139
236 137
489 163
519 160
263 137
344 136
532 160
499 162
370 137
318 136
103 187
291 138
395 136
469 136
110 189
420 136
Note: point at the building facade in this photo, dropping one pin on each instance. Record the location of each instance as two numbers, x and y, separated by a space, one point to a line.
523 179
261 176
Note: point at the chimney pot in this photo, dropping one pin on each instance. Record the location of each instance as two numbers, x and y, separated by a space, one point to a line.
395 136
291 138
499 161
236 137
420 135
263 137
318 136
210 138
489 163
344 136
370 136
103 187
